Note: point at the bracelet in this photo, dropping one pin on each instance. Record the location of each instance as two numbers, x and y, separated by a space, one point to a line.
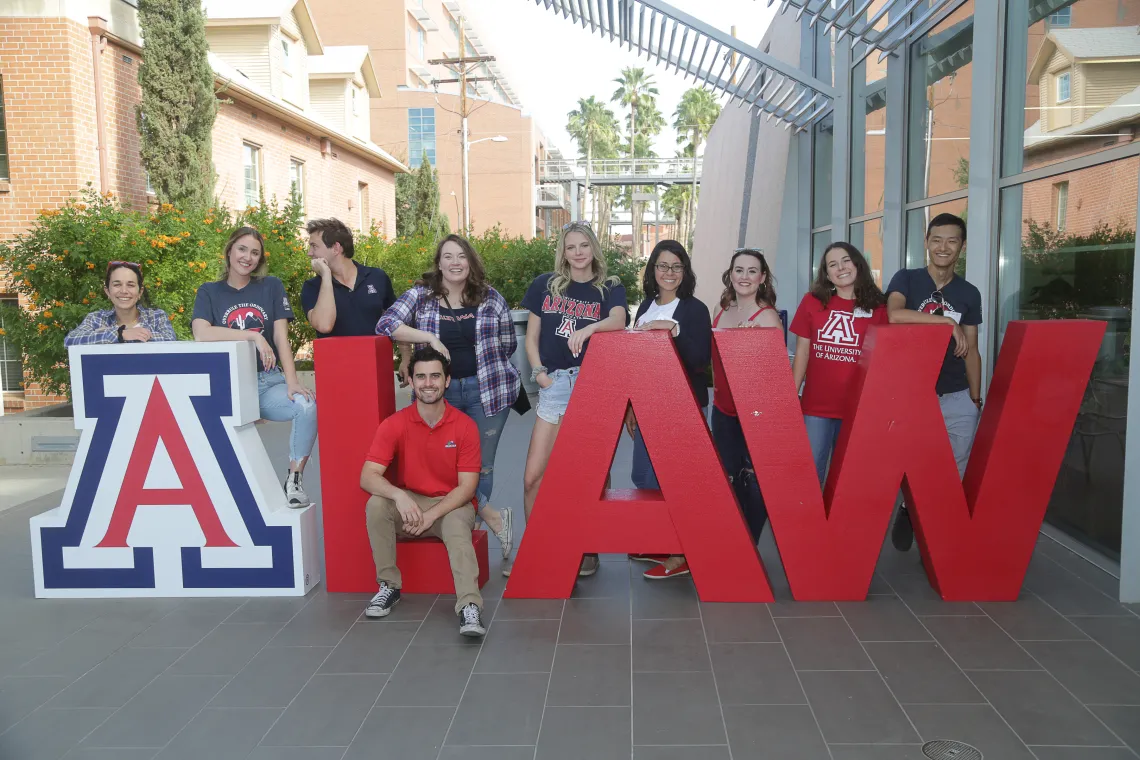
536 371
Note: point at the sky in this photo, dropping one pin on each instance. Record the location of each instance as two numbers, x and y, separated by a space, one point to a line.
552 62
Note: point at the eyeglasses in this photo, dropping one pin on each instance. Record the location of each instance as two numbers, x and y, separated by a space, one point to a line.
570 225
666 268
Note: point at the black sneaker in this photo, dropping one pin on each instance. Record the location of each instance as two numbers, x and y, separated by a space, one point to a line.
902 536
383 602
471 621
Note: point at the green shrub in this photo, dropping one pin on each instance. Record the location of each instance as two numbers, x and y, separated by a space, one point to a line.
58 266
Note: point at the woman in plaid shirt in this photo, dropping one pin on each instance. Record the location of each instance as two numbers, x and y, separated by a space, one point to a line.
127 322
455 311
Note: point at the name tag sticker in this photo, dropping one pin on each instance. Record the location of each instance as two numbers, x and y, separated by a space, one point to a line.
954 315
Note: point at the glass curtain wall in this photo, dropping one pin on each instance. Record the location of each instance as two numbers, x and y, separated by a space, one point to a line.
1068 241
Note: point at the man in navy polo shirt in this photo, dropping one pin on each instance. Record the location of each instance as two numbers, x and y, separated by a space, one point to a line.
345 298
935 295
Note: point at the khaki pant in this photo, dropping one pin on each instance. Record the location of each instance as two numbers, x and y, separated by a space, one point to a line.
385 523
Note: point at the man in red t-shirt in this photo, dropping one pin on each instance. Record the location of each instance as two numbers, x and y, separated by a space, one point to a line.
428 491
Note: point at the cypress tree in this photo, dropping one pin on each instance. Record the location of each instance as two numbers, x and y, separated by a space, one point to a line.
417 203
176 116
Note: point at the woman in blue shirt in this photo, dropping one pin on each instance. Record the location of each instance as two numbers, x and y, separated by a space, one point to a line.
127 322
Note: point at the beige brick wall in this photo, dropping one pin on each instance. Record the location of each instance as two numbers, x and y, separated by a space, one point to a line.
331 178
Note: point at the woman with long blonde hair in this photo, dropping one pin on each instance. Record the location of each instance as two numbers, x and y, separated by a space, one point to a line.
566 307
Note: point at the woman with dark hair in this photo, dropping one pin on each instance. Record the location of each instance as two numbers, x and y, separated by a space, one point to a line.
454 310
748 300
247 304
126 322
670 305
830 325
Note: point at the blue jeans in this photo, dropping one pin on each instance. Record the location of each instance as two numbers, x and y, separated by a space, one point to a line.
822 432
273 398
641 472
463 394
737 462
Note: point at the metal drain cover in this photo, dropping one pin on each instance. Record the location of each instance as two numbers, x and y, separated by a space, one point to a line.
943 749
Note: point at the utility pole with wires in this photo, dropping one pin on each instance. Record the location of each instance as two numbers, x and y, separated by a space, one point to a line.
462 66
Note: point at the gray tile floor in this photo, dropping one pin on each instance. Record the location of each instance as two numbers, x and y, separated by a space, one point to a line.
626 668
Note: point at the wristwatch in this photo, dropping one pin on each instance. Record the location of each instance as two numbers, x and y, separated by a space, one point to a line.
536 371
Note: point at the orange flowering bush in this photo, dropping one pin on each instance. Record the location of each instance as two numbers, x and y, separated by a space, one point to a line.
58 266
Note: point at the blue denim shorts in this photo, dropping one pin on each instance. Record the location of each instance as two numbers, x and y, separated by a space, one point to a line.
552 401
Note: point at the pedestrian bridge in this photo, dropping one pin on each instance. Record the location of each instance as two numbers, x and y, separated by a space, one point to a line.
623 171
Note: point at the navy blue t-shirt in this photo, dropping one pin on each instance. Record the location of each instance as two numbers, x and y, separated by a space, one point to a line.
357 310
457 333
580 305
958 300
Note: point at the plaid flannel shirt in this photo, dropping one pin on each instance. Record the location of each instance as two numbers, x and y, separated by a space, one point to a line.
100 327
495 340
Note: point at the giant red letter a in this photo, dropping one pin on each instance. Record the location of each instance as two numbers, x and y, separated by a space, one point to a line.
694 514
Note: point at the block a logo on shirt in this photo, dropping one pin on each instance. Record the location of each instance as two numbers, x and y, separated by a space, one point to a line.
566 328
839 330
171 492
247 316
371 290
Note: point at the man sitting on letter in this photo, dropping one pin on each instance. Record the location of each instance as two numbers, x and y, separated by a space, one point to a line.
436 452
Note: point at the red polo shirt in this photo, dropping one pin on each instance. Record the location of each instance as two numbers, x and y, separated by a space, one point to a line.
428 460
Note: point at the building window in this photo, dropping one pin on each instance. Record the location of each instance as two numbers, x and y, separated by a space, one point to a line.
422 36
11 363
251 162
1061 204
3 137
361 206
421 135
454 27
1062 18
297 181
1064 87
355 99
149 185
940 102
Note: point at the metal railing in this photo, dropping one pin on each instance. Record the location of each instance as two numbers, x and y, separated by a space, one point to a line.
552 195
678 169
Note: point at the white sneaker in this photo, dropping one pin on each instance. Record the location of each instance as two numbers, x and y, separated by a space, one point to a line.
471 621
294 493
506 535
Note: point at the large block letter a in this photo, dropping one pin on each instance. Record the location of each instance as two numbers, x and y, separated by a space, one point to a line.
694 513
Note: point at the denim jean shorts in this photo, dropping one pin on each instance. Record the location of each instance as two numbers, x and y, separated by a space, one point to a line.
552 401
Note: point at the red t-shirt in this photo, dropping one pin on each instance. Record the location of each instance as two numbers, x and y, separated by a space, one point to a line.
836 332
428 460
721 398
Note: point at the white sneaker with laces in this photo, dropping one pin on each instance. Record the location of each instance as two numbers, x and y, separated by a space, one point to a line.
294 493
471 621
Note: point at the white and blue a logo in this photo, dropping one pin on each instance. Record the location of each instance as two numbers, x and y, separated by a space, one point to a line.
171 493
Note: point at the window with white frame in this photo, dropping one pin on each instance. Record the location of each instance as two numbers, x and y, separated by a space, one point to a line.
1064 86
3 136
251 165
297 181
422 38
1061 204
289 63
361 206
1062 18
11 362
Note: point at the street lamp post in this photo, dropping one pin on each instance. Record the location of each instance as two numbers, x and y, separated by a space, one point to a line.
466 176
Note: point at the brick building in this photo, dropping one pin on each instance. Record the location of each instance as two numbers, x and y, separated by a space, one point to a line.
293 115
417 115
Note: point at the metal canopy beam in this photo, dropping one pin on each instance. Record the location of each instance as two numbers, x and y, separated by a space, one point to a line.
854 18
715 60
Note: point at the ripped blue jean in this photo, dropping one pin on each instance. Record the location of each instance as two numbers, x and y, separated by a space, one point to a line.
463 394
273 398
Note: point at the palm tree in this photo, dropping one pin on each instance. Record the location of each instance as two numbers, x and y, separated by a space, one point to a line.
591 125
693 120
635 90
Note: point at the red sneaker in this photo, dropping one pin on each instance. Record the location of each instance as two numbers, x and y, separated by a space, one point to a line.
658 558
661 572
